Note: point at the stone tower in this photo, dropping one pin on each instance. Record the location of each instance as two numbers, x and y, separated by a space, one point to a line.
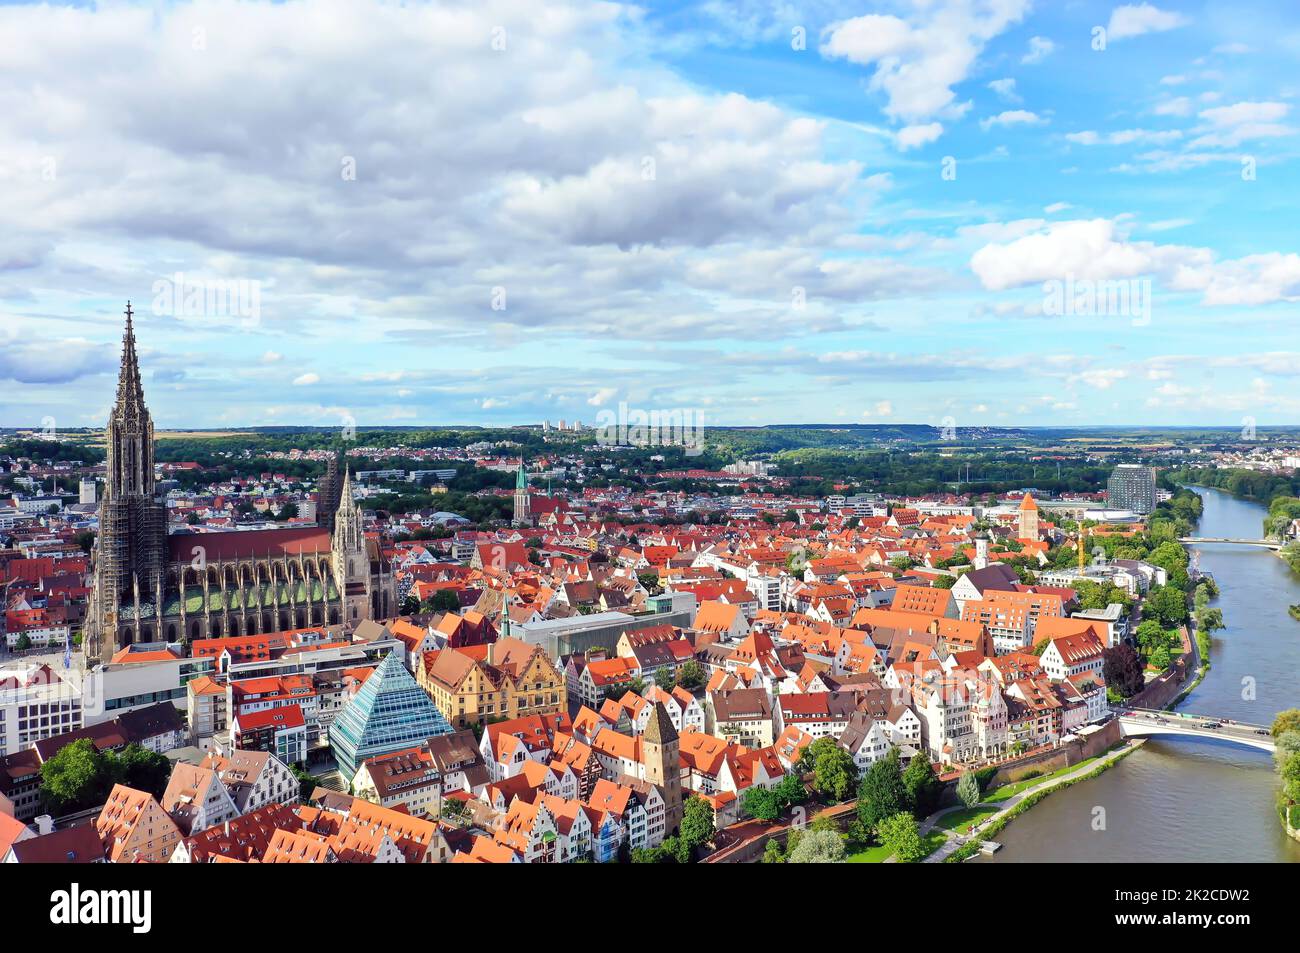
523 505
327 502
1028 518
131 550
660 752
351 562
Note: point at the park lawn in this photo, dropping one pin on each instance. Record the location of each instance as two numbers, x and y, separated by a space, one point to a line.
933 841
878 855
962 820
869 855
1011 790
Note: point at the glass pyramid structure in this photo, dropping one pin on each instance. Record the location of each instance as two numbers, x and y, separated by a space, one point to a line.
390 711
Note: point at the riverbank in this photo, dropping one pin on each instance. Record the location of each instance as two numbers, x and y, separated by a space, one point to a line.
963 844
1180 799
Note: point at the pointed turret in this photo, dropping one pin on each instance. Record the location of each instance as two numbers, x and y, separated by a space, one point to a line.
130 392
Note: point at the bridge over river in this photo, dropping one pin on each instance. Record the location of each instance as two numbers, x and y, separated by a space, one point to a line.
1266 543
1148 723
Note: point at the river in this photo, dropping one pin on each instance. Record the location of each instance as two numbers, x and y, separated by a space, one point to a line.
1188 800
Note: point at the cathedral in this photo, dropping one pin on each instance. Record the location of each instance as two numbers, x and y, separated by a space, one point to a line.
152 586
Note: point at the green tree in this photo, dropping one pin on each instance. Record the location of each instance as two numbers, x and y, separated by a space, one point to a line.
141 769
77 777
818 847
762 803
902 836
1168 604
1161 658
923 788
882 792
772 852
834 772
665 678
790 790
1288 720
445 600
697 826
968 789
691 675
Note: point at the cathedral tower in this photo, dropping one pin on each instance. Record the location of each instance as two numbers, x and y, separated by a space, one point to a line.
351 562
327 496
131 551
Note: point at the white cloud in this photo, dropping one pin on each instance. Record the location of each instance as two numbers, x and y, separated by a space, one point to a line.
601 396
1123 137
918 61
1012 117
1084 249
1229 126
1040 48
1005 89
303 380
1135 20
1092 250
1178 106
909 137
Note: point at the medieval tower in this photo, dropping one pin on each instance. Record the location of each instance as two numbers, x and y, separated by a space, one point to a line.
660 751
1028 518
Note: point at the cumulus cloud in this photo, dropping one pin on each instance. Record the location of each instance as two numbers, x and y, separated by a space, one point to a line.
1040 48
1094 250
1229 126
918 61
1012 117
910 137
1005 89
1137 19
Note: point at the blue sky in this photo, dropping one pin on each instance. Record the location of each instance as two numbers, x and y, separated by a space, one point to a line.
502 212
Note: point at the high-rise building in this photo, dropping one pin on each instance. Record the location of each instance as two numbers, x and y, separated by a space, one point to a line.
87 492
1132 487
389 712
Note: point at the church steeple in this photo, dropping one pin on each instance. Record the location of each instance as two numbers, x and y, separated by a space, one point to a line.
130 392
349 527
523 503
131 550
130 429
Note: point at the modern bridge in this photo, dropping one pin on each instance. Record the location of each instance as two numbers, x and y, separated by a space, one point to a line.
1266 543
1148 723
